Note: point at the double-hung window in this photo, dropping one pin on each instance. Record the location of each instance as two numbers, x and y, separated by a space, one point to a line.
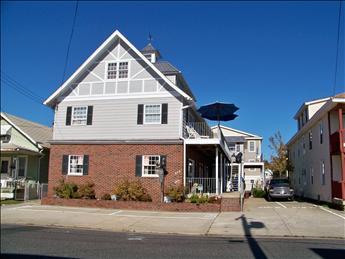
149 165
251 146
117 70
75 164
112 70
79 115
123 69
321 132
310 140
152 113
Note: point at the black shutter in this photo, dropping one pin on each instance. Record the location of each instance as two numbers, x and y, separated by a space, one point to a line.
164 162
164 113
138 165
86 165
64 164
68 115
89 115
140 114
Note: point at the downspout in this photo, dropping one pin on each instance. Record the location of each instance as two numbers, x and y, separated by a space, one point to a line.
184 145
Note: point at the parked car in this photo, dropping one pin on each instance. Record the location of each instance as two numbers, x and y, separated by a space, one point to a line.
279 188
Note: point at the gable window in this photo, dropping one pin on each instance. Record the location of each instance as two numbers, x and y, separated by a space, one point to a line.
149 165
5 138
152 114
117 70
123 69
321 132
75 164
251 146
112 70
310 140
79 115
323 176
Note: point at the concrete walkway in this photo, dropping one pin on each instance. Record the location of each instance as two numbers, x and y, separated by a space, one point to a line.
260 218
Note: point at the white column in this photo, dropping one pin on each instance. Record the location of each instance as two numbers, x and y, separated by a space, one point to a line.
221 172
217 186
184 163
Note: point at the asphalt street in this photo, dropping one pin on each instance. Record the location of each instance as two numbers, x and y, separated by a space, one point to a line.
26 241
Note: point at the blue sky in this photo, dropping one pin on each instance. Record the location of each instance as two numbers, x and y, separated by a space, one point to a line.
266 57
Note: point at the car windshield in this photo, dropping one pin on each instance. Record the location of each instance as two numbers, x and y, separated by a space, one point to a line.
284 182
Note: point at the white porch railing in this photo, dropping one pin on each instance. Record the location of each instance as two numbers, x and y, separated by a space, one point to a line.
197 130
200 185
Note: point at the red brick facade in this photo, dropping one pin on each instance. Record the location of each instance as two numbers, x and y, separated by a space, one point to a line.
112 163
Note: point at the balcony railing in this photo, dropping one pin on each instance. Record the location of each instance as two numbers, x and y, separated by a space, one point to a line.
197 130
200 185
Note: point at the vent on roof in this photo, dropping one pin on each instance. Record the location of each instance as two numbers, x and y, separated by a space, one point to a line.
151 53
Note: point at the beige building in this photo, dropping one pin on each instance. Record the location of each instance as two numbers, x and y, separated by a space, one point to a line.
317 149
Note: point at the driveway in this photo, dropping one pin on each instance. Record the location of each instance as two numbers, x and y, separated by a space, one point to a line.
260 218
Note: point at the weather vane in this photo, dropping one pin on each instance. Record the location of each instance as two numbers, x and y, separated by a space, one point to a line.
150 37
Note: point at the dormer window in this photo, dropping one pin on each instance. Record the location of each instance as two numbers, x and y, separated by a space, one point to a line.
117 70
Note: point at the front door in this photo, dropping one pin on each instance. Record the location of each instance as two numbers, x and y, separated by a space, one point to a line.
5 166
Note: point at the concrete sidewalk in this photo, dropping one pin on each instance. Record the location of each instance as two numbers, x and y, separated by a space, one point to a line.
258 220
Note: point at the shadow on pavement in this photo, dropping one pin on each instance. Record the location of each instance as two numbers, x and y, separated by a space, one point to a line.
27 256
329 253
253 244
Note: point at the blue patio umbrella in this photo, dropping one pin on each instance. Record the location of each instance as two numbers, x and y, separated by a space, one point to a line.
218 111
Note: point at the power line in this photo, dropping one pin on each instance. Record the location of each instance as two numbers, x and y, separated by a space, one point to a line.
70 40
19 85
337 52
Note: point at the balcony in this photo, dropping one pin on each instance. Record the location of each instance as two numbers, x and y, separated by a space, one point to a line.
337 141
195 130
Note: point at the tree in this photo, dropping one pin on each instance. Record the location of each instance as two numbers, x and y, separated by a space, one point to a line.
279 163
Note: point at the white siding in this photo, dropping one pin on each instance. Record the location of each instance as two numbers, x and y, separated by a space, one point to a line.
117 120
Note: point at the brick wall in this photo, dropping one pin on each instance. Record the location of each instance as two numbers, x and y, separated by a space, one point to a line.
111 164
134 205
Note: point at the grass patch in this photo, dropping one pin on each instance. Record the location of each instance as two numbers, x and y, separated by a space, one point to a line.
9 202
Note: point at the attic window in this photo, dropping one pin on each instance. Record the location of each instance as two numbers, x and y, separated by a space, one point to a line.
112 70
5 138
123 69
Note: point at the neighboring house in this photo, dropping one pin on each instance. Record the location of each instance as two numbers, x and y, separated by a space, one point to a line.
317 150
24 150
252 166
122 112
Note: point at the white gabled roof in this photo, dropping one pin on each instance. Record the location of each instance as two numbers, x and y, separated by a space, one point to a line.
238 131
95 54
309 103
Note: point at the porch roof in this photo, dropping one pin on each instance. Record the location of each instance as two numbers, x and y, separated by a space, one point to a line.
208 141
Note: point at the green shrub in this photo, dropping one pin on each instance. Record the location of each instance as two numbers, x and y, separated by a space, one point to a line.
66 190
86 191
258 193
106 196
198 199
131 191
176 193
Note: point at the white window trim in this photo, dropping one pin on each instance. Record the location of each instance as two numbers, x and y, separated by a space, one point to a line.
72 115
143 166
69 166
26 166
249 146
160 114
106 79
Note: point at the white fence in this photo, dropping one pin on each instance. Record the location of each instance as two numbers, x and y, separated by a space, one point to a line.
200 185
22 190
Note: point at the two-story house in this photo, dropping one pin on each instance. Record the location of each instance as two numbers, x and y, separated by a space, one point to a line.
122 112
251 166
24 153
317 150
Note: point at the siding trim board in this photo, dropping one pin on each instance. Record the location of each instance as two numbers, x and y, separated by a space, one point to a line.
106 141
